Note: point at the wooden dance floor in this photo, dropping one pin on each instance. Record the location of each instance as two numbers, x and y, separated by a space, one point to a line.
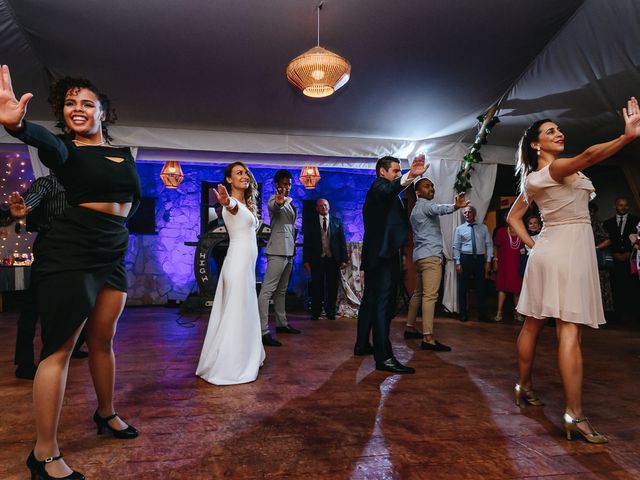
317 412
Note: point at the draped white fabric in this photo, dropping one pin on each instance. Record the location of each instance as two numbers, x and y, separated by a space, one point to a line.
39 170
443 174
160 144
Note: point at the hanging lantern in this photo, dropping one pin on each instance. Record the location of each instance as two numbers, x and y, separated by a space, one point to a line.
171 174
309 176
318 72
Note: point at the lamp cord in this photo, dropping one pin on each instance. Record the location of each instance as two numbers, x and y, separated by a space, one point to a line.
319 7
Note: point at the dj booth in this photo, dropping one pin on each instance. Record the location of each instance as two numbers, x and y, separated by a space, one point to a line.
212 246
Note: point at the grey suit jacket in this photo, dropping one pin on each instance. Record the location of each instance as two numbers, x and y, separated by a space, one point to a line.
283 232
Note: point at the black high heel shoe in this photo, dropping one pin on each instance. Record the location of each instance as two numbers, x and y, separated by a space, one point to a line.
38 471
102 423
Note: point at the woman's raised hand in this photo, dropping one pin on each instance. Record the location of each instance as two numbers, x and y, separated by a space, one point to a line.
223 195
12 111
631 116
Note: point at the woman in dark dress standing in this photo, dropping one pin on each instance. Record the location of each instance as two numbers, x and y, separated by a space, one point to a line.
80 269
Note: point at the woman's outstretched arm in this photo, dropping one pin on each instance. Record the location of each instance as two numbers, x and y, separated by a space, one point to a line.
563 167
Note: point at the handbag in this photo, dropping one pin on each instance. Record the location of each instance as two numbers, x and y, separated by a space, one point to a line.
605 258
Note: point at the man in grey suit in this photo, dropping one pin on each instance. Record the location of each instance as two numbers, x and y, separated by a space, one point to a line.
280 251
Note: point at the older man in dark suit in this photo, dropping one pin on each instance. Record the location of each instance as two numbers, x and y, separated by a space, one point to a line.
385 231
324 253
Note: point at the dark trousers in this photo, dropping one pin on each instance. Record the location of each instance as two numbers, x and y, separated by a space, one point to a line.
27 327
472 266
324 286
378 306
624 287
29 315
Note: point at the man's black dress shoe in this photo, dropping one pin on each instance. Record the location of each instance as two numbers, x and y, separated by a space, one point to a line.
269 341
79 354
485 319
331 316
412 334
463 318
394 366
315 317
360 351
437 347
27 372
287 329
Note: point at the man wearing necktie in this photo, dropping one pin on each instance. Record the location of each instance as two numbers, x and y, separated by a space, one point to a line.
324 253
385 231
472 253
280 251
623 283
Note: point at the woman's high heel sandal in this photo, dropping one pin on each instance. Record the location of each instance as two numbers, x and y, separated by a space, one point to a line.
520 393
38 471
102 423
571 425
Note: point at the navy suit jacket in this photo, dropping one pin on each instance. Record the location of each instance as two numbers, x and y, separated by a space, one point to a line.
312 247
385 222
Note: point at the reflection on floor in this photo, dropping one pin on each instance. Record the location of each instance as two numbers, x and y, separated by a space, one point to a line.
317 412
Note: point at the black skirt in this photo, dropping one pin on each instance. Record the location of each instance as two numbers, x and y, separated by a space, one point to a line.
83 252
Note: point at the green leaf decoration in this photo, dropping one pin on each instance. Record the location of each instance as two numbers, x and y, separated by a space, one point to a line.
463 178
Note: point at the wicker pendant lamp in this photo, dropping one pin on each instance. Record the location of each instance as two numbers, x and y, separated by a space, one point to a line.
318 72
171 174
309 176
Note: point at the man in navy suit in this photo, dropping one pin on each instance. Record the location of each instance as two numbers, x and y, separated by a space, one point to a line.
324 253
385 231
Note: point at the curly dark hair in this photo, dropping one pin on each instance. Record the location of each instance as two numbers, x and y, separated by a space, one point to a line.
251 193
58 93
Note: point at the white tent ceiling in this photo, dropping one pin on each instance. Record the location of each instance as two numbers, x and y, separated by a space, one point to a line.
209 74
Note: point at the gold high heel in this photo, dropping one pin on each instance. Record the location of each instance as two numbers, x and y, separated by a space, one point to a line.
571 425
520 393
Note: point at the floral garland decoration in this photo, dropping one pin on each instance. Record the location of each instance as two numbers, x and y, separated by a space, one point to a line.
485 123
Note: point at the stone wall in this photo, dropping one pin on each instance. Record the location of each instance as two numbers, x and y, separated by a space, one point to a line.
160 267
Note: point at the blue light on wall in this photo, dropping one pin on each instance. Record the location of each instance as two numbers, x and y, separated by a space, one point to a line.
160 267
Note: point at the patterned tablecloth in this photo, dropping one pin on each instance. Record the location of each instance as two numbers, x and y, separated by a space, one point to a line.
350 294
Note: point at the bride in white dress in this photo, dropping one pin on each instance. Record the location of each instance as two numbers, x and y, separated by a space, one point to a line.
232 352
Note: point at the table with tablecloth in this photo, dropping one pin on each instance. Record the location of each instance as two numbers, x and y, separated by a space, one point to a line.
351 285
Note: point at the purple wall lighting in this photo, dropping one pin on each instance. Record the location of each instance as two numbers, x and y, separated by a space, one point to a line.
160 267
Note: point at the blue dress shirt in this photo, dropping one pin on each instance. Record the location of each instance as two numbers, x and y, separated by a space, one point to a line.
425 221
462 241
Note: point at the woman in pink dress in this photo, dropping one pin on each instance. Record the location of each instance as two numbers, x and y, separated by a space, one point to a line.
561 280
506 264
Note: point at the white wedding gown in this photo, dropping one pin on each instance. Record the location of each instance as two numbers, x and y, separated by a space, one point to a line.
232 352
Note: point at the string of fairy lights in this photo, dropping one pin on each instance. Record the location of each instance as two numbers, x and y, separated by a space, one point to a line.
15 241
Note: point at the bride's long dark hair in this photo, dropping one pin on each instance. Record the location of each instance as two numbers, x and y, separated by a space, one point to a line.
251 193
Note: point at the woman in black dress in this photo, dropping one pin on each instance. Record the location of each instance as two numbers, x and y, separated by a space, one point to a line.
81 280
